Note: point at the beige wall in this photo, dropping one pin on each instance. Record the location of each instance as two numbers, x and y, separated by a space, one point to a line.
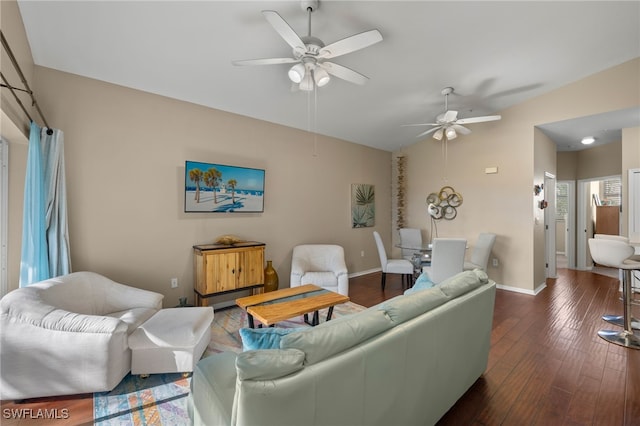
544 164
567 165
502 203
599 161
125 152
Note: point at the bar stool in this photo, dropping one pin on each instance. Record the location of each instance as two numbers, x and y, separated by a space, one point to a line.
616 254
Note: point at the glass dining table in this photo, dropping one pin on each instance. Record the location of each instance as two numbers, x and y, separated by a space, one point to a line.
421 256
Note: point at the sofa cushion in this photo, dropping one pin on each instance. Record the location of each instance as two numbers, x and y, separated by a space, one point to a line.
405 307
268 364
412 304
264 338
463 282
338 335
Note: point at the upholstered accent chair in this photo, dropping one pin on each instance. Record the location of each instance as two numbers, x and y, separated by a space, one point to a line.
320 264
69 335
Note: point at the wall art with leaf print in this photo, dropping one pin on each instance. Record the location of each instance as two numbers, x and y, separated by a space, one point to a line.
363 210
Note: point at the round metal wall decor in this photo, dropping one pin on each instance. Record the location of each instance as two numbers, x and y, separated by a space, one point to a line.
443 204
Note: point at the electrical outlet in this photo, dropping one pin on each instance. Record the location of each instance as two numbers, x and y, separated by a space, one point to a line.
362 253
174 283
495 262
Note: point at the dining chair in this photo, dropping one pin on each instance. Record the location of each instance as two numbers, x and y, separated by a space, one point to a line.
447 259
481 252
410 237
392 266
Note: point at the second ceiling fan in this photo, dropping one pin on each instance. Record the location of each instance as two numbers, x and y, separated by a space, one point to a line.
448 125
310 54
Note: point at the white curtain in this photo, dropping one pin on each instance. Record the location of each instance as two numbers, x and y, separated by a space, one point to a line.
56 202
45 235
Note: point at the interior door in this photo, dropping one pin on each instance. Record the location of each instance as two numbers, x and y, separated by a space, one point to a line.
550 224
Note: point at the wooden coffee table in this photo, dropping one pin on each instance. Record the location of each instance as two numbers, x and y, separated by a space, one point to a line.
270 308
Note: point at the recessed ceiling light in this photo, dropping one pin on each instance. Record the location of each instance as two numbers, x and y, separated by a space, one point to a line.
588 140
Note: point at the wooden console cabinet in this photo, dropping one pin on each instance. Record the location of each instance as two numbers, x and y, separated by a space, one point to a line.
223 268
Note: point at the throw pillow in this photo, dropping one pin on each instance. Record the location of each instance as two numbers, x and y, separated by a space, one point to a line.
264 338
422 282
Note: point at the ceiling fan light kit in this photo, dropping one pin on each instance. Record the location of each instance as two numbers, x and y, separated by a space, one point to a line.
311 68
448 125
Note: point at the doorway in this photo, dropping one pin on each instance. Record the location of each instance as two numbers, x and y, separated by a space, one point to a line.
550 225
592 192
566 224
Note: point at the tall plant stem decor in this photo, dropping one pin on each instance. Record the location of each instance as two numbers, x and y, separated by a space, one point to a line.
400 220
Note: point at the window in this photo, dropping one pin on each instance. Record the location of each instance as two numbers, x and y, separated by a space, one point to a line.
611 191
562 200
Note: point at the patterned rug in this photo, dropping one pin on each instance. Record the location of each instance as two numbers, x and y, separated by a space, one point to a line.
161 399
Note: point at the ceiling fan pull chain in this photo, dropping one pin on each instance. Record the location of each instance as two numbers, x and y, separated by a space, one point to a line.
444 154
315 120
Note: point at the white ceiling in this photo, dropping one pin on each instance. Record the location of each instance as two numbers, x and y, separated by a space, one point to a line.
495 55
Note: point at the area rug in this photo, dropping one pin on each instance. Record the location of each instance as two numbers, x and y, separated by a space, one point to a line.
161 399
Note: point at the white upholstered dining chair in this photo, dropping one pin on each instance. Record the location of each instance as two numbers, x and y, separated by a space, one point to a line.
447 259
392 266
481 252
410 237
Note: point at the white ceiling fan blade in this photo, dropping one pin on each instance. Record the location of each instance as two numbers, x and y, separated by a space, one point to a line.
350 44
266 61
285 31
429 131
478 119
419 124
461 129
343 72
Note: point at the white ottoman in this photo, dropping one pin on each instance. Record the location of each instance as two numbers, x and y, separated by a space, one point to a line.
171 341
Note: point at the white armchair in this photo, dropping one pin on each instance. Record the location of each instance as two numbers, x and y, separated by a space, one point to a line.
322 265
69 335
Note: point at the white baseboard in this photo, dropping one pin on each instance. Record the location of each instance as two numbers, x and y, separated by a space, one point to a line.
522 290
370 271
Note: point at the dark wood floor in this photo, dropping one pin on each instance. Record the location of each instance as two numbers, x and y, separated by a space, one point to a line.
547 366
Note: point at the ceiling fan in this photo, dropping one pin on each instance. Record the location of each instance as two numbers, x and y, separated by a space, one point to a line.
310 54
448 124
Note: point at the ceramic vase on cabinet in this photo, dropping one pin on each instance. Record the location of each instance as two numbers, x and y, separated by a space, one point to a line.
270 278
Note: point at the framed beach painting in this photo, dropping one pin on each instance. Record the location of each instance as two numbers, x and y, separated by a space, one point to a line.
219 188
363 211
